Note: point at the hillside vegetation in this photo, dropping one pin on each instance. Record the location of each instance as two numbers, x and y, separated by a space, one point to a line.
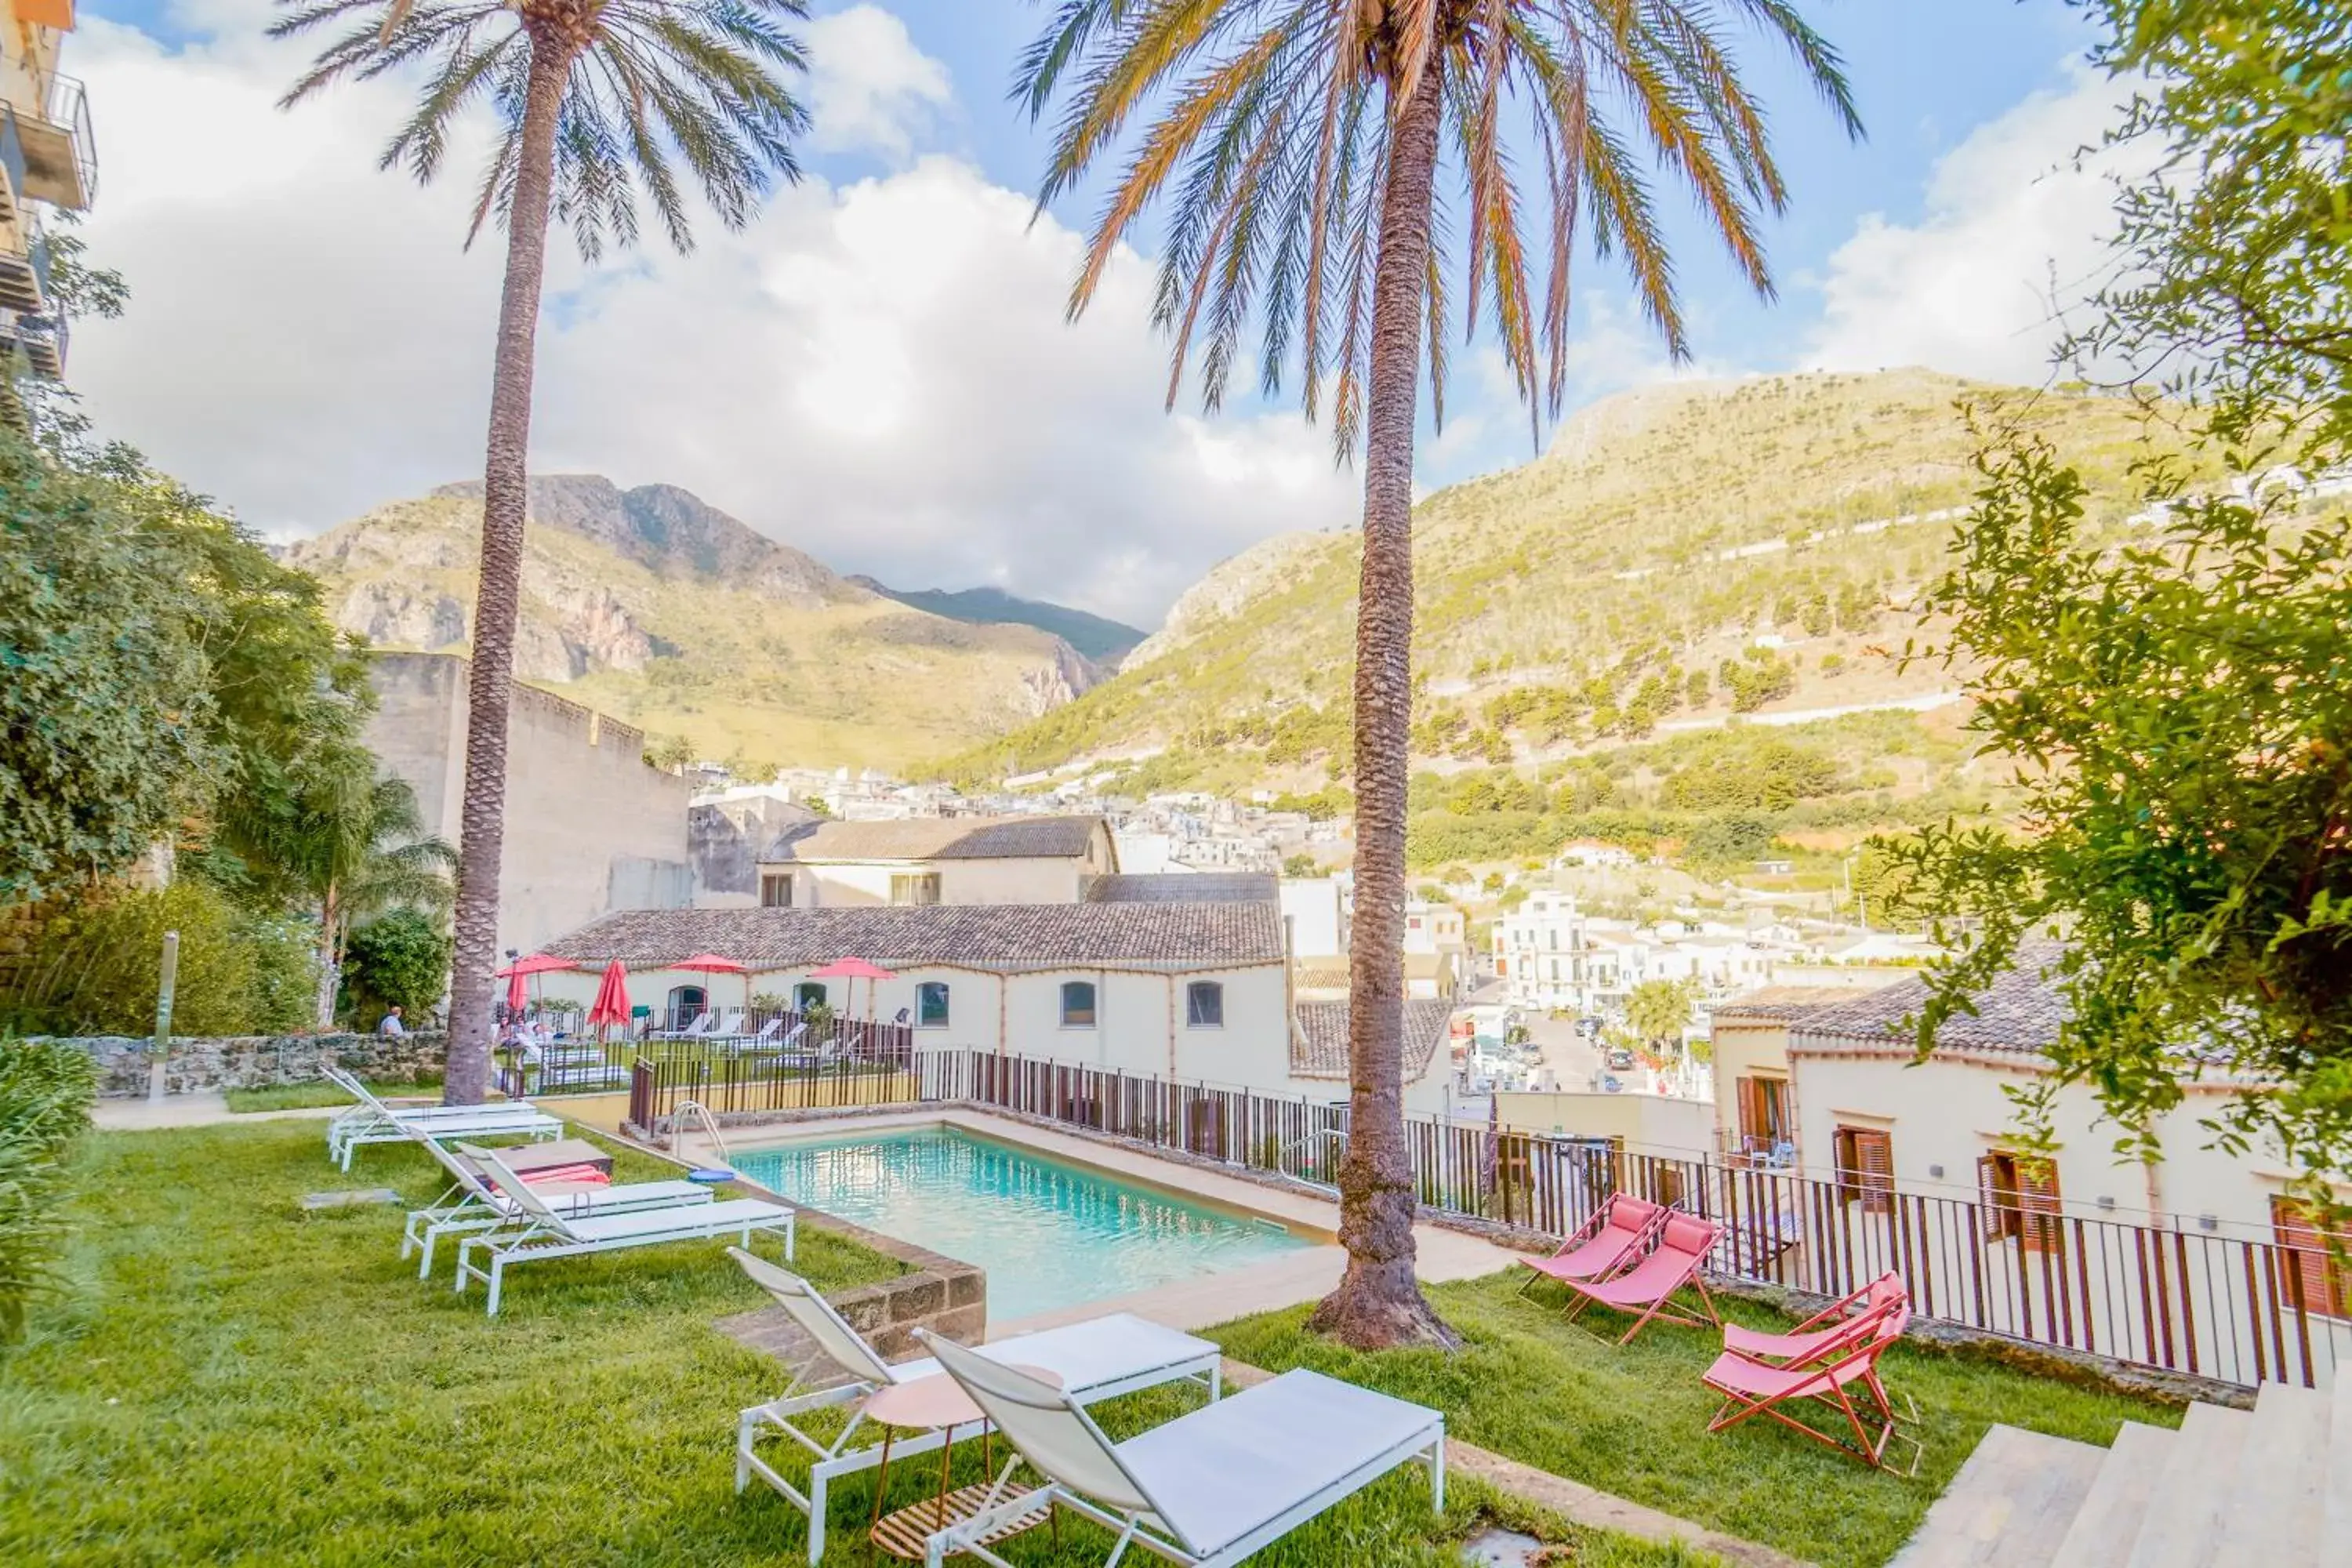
1099 638
1684 556
650 605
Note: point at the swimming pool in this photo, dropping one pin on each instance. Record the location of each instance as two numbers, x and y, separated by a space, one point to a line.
1050 1235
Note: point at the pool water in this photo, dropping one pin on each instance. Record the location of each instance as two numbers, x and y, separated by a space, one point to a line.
1049 1235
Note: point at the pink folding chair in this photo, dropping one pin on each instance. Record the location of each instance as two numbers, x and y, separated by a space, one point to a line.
1846 1360
1881 1295
1608 1244
1683 1243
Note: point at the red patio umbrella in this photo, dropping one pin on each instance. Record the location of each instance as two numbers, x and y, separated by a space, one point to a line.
611 1005
521 969
855 969
711 964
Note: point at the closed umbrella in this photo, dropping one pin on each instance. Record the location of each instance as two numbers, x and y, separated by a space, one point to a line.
611 1005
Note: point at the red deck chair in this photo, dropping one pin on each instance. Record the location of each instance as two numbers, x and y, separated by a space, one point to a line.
1683 1243
1823 1327
1844 1361
1607 1245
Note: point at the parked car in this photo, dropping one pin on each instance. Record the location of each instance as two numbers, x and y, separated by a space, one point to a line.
1621 1059
1588 1027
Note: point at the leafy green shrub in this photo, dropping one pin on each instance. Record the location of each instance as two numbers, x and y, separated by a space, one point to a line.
45 1093
397 960
92 965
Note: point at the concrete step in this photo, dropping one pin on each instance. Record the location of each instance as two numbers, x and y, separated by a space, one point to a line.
2339 1507
2009 1505
2184 1518
2274 1513
2102 1529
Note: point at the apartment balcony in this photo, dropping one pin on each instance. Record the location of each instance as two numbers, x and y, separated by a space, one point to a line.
40 339
52 157
24 268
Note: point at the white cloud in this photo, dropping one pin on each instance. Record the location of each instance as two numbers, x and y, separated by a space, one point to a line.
870 87
877 372
2013 232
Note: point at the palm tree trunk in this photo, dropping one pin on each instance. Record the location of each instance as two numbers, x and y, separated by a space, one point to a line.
1379 1302
482 823
329 958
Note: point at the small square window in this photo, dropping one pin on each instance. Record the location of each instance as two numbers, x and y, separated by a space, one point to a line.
1204 1004
1078 1005
932 1004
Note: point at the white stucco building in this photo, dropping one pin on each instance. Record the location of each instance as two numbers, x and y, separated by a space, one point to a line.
937 860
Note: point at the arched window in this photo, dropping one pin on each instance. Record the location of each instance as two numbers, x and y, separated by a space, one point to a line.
1077 1004
808 993
932 1004
1204 1004
684 1003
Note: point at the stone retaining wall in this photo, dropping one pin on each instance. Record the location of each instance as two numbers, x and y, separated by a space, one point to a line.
250 1061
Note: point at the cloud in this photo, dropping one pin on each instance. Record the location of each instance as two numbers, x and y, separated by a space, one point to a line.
870 89
2013 233
878 371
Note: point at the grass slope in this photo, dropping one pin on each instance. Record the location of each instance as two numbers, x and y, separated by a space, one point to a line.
1632 1421
1666 529
225 1379
1096 636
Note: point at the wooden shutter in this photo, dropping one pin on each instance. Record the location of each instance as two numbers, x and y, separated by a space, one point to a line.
2037 1189
1751 1108
1866 1167
2308 1267
1997 1189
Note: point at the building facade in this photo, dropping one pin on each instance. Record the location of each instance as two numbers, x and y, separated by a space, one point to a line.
49 162
937 860
590 826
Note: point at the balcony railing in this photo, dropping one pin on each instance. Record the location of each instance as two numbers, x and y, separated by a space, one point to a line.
12 165
60 151
25 274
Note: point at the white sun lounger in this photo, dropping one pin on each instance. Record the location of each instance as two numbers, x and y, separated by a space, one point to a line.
1205 1490
545 1233
1096 1360
372 1121
472 1203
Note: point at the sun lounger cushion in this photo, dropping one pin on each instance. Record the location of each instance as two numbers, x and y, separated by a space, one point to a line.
1228 1467
686 1219
1083 1356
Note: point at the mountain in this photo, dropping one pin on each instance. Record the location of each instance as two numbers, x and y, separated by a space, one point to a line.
654 606
1104 641
1681 555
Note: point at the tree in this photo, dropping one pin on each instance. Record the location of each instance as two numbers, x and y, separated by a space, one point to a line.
594 99
351 845
1657 1010
105 707
397 960
2180 703
1304 142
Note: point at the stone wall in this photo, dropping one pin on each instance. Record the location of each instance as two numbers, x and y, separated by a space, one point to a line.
250 1061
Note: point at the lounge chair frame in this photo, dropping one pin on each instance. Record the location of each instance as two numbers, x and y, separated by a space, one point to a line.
847 1352
1144 1527
1644 1236
1590 1293
546 1235
1847 1362
469 1203
371 1121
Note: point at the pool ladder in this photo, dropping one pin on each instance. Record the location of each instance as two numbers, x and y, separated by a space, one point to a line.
709 1124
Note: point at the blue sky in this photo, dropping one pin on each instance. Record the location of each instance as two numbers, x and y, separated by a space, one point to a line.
971 436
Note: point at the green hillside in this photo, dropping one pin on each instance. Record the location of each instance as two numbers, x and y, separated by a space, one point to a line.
1683 556
1099 638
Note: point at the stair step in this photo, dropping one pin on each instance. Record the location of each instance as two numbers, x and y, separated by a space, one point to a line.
2102 1528
2009 1505
2275 1513
2184 1518
2339 1528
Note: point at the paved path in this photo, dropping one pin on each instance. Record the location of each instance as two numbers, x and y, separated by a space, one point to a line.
190 1110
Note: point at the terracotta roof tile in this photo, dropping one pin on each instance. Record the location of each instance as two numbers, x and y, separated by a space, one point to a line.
1776 1003
983 936
2020 1013
1184 887
1320 1048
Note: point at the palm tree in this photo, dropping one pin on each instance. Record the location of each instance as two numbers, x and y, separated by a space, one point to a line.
1304 140
597 100
382 859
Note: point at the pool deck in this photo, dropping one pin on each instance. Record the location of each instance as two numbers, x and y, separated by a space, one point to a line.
1306 1275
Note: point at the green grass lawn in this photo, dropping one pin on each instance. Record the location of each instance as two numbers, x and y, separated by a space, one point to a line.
226 1378
308 1096
1632 1421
